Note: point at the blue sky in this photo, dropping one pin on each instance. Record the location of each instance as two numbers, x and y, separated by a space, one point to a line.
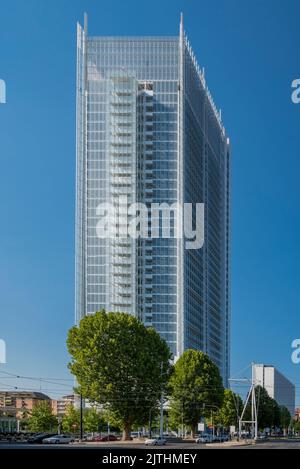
250 53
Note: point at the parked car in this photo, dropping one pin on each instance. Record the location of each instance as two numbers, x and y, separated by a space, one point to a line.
39 437
58 439
204 438
221 438
92 437
155 441
109 438
105 438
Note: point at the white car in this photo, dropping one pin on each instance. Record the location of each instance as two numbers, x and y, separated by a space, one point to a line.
155 441
58 439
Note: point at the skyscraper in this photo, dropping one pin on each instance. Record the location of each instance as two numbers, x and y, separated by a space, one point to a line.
149 132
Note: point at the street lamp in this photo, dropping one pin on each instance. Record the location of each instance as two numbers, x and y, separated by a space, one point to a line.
211 406
81 417
59 420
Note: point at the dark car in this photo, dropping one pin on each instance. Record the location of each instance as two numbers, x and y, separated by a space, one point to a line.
38 438
105 438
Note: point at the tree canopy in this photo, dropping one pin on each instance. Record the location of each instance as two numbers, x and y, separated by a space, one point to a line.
231 409
119 363
195 389
71 420
285 417
92 420
268 411
42 418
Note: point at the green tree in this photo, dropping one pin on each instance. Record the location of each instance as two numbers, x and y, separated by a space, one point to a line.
71 420
42 418
276 413
119 363
231 409
296 426
196 388
93 420
268 412
285 418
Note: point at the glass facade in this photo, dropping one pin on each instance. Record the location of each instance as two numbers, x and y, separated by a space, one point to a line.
147 130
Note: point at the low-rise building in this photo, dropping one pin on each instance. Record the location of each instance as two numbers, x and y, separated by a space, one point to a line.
19 404
276 384
297 414
59 406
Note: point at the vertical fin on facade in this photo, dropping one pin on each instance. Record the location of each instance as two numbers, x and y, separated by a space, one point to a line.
181 23
180 182
85 23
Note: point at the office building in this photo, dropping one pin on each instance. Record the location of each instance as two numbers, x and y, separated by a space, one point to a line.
149 132
277 385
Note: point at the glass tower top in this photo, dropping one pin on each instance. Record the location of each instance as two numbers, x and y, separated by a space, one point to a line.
148 131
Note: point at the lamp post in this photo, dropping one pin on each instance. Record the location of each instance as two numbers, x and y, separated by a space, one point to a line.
81 417
150 423
211 406
59 419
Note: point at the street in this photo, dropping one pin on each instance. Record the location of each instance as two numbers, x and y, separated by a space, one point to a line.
271 444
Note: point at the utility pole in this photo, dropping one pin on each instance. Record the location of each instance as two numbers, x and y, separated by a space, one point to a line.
182 418
81 417
161 430
59 419
251 394
212 422
254 407
150 423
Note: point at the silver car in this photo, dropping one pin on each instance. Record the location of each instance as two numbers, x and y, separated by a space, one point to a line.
58 439
155 441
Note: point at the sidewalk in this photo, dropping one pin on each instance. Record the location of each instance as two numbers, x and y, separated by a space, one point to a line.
231 444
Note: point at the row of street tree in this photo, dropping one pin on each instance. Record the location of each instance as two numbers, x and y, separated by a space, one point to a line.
42 419
124 368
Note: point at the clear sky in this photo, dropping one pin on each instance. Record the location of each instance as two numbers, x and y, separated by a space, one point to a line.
250 51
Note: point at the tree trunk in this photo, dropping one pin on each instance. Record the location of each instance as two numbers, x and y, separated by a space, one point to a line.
126 432
193 430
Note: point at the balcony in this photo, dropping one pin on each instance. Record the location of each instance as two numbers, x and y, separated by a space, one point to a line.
124 272
119 262
121 252
121 181
123 93
120 172
119 190
121 103
149 191
149 172
118 160
121 305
